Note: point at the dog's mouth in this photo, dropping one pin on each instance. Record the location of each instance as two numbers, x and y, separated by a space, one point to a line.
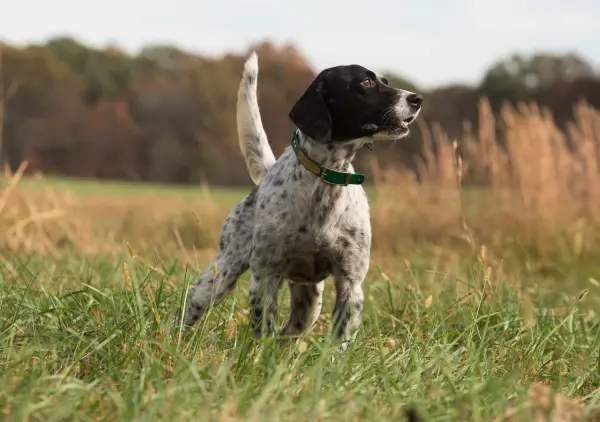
398 128
404 123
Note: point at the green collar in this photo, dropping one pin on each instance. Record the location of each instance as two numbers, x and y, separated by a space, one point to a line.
327 175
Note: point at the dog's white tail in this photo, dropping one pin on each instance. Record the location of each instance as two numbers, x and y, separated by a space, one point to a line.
251 134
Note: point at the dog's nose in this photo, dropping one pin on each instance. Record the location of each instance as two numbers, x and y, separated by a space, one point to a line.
415 100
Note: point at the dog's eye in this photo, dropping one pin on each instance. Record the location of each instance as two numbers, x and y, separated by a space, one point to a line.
385 81
368 83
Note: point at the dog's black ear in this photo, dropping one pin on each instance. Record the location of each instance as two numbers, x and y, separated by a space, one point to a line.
310 113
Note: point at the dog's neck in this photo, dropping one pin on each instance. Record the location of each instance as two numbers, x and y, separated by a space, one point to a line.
335 156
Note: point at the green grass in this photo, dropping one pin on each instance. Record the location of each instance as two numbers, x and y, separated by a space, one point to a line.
83 339
116 189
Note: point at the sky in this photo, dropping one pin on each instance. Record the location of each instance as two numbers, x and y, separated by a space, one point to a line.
430 42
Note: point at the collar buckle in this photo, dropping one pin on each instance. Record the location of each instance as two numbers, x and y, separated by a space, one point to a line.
346 178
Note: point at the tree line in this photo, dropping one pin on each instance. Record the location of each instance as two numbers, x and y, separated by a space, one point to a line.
165 115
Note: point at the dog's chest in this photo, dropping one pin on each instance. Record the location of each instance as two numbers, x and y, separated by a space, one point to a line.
308 261
307 224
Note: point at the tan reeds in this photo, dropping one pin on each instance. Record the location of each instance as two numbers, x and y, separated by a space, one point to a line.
542 185
527 182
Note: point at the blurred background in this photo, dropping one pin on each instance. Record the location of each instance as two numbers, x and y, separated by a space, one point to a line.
144 91
119 162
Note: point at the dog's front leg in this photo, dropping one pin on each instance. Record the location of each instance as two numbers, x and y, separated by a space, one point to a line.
306 301
347 313
264 289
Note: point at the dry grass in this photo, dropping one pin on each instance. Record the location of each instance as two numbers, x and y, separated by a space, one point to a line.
531 186
90 339
58 222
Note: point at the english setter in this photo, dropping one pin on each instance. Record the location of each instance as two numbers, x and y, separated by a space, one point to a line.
308 215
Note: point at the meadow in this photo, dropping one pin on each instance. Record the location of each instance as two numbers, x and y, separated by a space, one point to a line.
478 296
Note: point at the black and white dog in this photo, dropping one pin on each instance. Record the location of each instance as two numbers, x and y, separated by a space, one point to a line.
308 216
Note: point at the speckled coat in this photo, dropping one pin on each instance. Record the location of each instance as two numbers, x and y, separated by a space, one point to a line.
292 226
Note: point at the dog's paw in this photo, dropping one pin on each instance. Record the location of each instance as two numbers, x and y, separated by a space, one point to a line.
267 331
343 345
180 324
177 320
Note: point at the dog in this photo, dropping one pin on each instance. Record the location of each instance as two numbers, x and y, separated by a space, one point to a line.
308 216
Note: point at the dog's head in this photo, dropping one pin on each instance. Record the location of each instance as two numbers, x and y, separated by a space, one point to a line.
351 102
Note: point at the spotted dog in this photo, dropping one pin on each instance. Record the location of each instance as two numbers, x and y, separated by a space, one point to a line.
308 215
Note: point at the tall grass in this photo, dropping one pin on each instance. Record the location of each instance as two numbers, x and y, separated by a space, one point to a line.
530 189
528 185
91 339
90 283
531 185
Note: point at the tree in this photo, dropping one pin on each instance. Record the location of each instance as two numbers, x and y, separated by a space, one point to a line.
169 115
46 106
106 74
451 106
518 77
5 96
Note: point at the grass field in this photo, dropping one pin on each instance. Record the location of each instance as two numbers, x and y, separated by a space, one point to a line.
474 297
88 337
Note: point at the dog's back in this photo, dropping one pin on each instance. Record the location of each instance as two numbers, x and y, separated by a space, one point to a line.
251 134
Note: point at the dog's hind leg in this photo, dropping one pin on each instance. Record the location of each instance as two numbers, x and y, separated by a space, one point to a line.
264 288
348 309
306 301
221 276
215 282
